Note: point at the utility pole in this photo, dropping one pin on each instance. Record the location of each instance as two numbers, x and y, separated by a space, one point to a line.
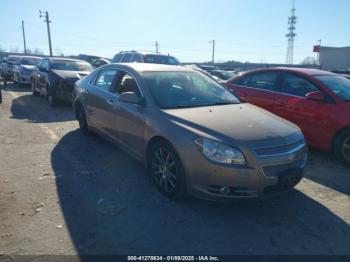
157 47
213 51
24 38
292 20
47 20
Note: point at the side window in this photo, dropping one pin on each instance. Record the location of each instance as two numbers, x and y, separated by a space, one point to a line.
297 85
105 79
126 83
243 81
45 65
265 81
137 58
127 58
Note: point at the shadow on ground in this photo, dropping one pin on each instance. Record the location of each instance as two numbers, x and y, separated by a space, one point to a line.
37 110
111 207
325 169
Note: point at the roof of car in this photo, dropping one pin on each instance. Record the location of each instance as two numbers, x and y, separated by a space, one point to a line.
31 56
147 67
65 59
141 52
307 71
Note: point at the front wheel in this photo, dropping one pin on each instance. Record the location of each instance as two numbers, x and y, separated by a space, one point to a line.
342 147
51 97
167 171
34 91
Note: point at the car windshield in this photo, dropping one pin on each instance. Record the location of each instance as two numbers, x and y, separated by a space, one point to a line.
161 59
30 61
338 84
71 65
173 90
12 60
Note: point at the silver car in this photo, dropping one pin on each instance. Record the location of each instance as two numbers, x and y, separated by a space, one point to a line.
194 136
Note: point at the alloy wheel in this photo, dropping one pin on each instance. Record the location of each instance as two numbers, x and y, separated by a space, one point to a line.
164 170
346 149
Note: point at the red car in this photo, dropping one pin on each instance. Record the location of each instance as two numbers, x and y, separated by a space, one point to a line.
317 101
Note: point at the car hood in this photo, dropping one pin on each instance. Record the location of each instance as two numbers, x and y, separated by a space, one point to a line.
242 123
71 74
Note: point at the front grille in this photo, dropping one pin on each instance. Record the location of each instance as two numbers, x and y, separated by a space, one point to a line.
278 170
278 149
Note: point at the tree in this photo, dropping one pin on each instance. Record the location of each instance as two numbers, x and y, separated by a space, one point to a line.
309 61
38 51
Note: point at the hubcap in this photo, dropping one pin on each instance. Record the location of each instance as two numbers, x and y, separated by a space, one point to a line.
164 169
346 149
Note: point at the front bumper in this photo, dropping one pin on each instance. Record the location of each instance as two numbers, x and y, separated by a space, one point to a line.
22 78
263 175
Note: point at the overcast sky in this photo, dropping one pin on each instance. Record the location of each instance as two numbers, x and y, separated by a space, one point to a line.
249 30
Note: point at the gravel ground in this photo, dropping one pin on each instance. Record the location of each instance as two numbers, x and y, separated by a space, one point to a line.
64 193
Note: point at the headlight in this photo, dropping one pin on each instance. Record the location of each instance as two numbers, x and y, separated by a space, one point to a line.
219 153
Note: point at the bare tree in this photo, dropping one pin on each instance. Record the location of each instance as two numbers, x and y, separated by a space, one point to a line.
309 61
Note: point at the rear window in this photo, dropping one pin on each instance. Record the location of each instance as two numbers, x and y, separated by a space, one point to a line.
161 59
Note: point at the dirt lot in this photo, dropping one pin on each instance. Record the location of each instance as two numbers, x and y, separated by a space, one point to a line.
64 193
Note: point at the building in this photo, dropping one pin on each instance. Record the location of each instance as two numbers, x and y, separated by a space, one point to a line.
334 58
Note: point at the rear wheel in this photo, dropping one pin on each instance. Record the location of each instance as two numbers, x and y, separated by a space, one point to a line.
342 147
167 171
83 125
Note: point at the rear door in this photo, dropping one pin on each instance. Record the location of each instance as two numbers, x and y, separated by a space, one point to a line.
311 116
100 102
257 88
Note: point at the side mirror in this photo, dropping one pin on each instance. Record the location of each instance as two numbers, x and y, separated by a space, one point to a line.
129 97
315 96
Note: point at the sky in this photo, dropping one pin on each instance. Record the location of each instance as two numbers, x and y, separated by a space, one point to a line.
249 30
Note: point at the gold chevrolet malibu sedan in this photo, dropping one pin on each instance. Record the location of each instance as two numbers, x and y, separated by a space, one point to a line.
194 136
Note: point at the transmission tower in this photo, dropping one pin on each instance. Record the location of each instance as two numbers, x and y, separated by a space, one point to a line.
292 20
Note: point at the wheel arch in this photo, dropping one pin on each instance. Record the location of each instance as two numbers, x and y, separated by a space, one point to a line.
337 134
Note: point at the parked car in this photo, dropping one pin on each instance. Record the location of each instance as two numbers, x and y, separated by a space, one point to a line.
23 71
222 74
91 59
2 65
317 101
55 78
144 57
194 135
11 62
100 62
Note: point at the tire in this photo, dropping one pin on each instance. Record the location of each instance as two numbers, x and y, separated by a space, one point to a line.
83 125
34 91
51 97
166 169
342 147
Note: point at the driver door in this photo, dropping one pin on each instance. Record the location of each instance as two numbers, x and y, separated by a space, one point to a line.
130 119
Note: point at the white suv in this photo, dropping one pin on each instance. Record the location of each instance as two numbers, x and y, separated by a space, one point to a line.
144 57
